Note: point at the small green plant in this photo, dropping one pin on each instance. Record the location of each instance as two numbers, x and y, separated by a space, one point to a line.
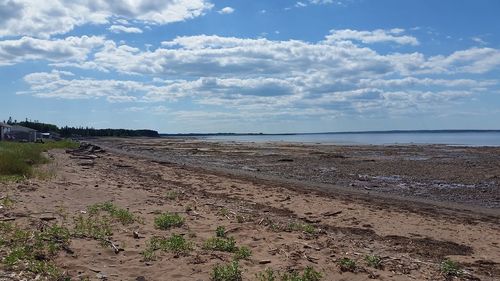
175 243
242 253
124 216
6 202
347 264
309 274
223 212
228 272
33 250
267 275
220 232
374 261
168 220
94 227
451 268
240 219
220 244
304 227
172 195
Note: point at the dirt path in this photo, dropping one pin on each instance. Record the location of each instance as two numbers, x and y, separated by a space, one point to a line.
285 229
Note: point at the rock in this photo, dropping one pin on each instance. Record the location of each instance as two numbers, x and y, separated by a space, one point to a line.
101 276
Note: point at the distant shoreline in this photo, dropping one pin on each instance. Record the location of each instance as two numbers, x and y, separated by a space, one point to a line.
332 133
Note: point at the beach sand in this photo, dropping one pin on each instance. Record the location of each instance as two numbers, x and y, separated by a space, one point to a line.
288 222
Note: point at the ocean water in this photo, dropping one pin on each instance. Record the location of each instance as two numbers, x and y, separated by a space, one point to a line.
446 138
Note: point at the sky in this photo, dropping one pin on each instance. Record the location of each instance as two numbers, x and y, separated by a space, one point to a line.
206 66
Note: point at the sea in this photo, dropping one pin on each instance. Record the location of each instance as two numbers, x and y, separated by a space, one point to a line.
452 138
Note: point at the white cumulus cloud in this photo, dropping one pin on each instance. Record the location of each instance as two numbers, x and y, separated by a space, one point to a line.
120 28
226 11
45 18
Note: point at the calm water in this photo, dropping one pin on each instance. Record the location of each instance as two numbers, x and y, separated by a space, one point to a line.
449 138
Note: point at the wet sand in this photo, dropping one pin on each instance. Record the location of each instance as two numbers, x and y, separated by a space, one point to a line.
257 191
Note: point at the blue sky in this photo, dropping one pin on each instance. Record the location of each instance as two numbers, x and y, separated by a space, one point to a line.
252 66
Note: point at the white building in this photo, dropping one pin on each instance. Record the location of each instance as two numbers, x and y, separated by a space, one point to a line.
4 130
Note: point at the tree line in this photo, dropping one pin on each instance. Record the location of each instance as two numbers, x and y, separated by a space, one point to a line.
67 131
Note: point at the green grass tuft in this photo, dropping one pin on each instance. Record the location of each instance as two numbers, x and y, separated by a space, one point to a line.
242 253
347 264
220 244
124 216
309 274
373 261
168 220
17 159
451 268
228 272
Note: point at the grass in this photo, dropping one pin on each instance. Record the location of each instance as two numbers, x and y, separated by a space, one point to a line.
34 250
124 216
220 244
227 272
17 159
176 244
172 195
168 220
220 232
451 268
242 253
304 227
347 264
6 202
309 274
95 227
373 261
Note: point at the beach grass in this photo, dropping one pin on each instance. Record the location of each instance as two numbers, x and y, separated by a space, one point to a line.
17 159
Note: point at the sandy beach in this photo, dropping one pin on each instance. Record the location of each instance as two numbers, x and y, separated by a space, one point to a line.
292 205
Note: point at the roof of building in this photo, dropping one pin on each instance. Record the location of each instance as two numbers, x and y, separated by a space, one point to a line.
2 124
17 128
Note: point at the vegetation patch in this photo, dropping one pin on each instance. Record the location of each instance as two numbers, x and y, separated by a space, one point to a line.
347 264
168 220
94 227
227 272
124 216
309 274
220 244
304 227
242 253
176 244
17 159
451 268
34 250
374 261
